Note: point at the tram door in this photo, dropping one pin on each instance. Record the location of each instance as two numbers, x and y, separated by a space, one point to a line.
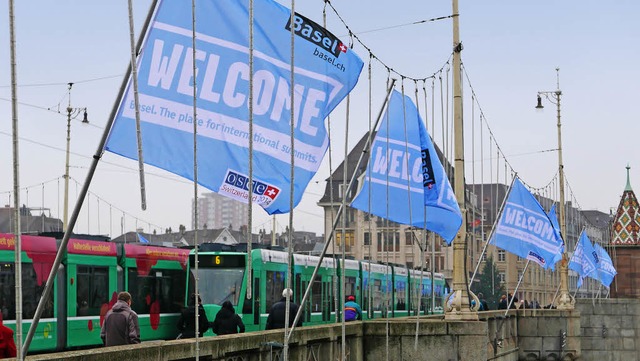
327 298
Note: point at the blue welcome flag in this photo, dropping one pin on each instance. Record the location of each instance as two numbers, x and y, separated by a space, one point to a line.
325 71
142 239
525 230
404 166
584 260
605 267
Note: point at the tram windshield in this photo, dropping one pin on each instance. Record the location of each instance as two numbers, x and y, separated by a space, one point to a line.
220 278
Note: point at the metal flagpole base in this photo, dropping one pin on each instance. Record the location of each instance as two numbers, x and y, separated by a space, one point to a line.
457 307
565 300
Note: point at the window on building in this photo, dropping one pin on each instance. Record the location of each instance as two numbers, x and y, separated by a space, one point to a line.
349 237
502 277
484 257
408 238
519 259
397 241
502 255
367 239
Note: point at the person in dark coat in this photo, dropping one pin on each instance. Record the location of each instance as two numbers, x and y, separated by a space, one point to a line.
502 305
514 304
227 321
483 303
120 326
277 313
7 344
187 321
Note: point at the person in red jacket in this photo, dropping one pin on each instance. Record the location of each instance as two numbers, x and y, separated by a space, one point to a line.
7 344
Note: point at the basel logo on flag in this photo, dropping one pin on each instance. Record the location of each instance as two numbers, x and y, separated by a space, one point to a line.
316 34
428 181
236 186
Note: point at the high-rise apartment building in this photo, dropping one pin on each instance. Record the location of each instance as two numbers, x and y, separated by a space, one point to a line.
216 211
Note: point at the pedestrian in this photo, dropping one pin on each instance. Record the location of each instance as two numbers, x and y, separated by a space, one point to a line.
483 303
227 321
120 326
514 304
277 312
187 321
502 304
352 310
7 344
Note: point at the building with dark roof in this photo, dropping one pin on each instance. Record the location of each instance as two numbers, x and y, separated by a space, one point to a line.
30 223
625 250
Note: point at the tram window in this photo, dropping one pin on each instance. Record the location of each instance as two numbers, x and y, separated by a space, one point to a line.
365 288
92 289
166 287
275 285
350 286
218 284
316 295
377 295
31 292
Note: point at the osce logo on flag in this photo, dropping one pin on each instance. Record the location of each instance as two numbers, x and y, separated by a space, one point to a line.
236 186
536 258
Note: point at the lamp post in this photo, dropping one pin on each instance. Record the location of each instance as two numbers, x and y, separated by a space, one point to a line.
565 301
72 113
458 305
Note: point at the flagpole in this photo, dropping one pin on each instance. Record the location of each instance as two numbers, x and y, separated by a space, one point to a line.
493 227
517 286
83 193
365 150
17 228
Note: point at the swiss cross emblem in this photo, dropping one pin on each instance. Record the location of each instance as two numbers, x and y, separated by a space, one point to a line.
343 48
271 192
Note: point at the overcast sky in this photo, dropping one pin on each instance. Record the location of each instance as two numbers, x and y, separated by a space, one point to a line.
511 50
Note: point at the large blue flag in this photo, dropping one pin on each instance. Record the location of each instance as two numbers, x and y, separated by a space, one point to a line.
525 230
605 266
584 260
325 71
404 168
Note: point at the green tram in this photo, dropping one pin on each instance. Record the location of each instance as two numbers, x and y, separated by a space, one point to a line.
87 282
381 290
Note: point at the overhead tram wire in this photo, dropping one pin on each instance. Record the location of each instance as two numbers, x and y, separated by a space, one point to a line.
403 25
49 110
390 69
66 82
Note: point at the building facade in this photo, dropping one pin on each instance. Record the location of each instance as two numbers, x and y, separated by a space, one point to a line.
216 211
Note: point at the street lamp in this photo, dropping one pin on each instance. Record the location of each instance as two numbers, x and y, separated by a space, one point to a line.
565 301
72 113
